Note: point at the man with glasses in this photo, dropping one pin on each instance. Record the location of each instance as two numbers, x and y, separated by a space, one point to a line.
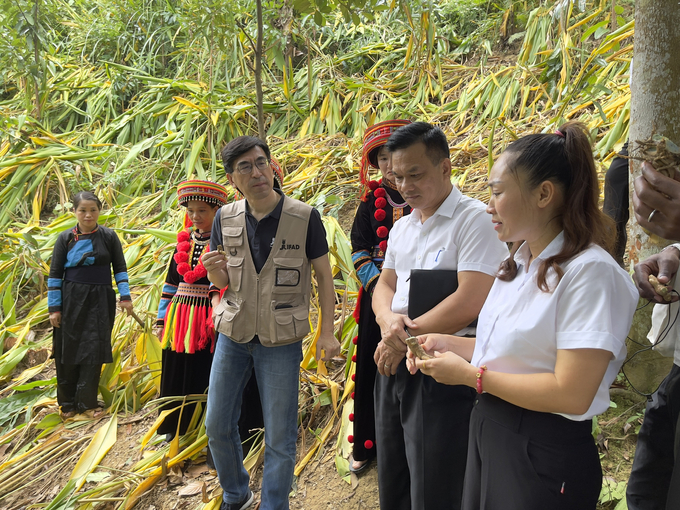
262 250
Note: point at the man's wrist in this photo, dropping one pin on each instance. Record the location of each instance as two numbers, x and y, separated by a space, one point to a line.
676 246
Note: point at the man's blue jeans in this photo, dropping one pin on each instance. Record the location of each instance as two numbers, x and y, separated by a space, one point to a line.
277 370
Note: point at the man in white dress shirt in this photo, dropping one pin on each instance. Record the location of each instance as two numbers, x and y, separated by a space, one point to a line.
421 425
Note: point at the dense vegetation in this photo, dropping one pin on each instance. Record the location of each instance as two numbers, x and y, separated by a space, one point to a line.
129 97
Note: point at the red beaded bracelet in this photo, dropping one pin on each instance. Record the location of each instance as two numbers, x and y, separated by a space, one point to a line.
482 369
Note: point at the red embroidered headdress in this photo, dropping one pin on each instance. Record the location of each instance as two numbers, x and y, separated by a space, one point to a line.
204 191
375 137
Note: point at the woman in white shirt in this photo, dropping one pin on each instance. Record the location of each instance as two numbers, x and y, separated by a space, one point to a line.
551 335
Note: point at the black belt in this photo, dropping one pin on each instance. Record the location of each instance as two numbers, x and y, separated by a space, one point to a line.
92 275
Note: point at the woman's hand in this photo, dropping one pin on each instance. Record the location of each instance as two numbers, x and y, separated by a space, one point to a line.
215 299
431 342
446 368
55 319
127 306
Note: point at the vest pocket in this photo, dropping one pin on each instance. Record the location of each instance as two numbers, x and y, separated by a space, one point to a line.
225 315
289 324
287 275
235 271
232 236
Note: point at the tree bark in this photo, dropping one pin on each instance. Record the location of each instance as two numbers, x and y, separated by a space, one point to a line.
655 109
258 74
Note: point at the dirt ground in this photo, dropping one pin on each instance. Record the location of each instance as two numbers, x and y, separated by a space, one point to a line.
318 487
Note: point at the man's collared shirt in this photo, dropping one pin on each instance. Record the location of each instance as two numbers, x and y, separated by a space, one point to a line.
459 235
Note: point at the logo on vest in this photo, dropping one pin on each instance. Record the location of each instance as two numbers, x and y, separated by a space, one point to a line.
285 246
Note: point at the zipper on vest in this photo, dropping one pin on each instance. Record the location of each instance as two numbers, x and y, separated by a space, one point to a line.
257 306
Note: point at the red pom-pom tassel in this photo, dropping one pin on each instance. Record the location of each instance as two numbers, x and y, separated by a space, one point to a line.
368 444
183 268
183 246
200 271
380 214
382 231
355 340
383 246
380 203
182 236
354 376
354 358
373 185
379 193
350 438
181 256
351 416
352 395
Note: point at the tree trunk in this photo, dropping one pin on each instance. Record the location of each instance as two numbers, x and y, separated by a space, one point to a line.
258 74
655 109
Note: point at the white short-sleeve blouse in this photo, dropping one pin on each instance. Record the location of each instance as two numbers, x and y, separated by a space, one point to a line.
521 327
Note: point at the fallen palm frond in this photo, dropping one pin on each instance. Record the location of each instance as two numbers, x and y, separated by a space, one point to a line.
131 117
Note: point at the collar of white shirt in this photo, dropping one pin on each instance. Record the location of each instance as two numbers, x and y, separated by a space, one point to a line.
523 254
447 208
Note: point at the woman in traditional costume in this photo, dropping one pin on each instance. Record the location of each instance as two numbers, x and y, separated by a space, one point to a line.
380 207
185 315
185 311
82 304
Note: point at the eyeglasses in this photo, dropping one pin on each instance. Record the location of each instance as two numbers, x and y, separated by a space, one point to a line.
246 168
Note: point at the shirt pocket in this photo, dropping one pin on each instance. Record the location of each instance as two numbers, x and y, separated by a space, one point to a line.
443 258
287 275
291 323
235 271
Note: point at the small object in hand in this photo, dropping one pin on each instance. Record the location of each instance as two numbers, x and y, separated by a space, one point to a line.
416 348
662 290
662 153
220 249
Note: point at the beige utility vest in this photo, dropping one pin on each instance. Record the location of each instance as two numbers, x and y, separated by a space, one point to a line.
274 304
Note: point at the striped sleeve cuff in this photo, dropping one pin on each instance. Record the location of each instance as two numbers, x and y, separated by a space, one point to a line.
365 268
123 286
169 291
54 294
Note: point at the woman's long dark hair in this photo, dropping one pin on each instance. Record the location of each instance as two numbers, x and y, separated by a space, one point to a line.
86 195
566 159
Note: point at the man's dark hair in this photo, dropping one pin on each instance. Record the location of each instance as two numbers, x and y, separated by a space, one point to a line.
241 145
432 137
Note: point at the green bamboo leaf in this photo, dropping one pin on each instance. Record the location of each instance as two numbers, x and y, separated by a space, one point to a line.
134 152
194 162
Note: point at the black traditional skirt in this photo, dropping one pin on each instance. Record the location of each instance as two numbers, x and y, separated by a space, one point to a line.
88 313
